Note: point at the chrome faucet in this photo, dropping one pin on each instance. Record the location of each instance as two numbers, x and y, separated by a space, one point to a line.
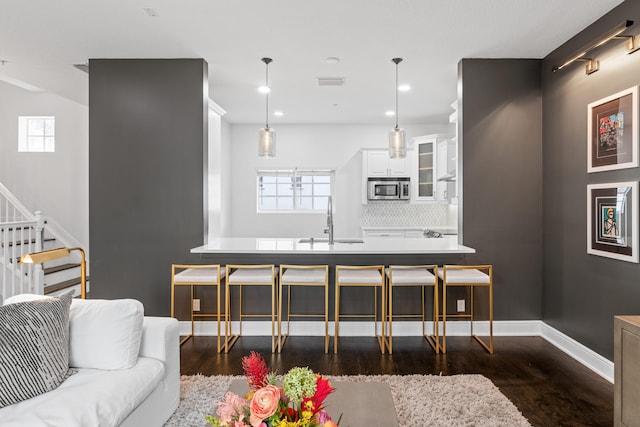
329 229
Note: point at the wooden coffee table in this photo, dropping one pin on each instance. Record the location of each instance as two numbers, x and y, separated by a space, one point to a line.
360 403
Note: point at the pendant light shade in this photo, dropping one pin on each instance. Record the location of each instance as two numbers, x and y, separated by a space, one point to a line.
397 143
267 143
267 136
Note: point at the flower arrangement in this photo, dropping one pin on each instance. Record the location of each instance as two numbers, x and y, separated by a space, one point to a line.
298 402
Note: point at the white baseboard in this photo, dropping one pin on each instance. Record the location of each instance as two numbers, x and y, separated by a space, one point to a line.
589 358
536 328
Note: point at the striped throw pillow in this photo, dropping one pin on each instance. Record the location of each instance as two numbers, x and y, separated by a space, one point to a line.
34 348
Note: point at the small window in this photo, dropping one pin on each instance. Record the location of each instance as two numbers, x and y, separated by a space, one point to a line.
37 134
294 190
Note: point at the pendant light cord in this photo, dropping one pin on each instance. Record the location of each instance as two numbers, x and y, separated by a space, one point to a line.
266 62
396 95
266 113
397 61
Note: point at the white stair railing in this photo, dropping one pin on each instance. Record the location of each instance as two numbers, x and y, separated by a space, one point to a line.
11 210
21 232
16 240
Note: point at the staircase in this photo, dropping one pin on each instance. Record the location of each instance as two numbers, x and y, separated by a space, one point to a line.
22 232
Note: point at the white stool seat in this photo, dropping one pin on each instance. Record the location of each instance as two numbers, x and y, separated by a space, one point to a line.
406 276
470 276
297 275
252 275
464 276
199 275
195 276
359 277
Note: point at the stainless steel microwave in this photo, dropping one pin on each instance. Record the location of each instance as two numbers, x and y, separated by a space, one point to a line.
388 188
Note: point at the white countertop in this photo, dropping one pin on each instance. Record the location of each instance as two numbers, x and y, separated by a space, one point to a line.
371 245
446 229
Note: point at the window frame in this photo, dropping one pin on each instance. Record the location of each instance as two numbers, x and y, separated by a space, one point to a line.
25 145
294 175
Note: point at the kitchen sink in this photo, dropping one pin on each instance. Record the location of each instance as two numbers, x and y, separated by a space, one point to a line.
326 240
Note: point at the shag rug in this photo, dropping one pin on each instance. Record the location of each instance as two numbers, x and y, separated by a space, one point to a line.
420 400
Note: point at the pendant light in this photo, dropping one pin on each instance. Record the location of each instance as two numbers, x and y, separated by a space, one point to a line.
397 144
267 136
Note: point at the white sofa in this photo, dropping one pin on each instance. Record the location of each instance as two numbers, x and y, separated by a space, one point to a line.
143 395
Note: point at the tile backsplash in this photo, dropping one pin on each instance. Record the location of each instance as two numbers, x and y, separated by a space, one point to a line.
385 213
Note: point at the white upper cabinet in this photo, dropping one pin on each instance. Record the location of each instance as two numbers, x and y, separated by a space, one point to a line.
378 164
447 170
431 164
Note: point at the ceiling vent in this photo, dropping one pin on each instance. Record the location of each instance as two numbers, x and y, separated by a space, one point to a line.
330 81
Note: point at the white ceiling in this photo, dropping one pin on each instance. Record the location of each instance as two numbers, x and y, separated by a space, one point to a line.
41 39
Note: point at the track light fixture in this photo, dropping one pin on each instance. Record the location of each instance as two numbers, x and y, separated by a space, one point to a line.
593 64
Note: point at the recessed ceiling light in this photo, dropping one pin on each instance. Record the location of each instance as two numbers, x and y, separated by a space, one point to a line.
390 113
404 88
278 113
150 11
264 89
332 60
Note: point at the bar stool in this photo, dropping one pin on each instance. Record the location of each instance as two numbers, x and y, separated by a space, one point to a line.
361 276
413 276
192 276
250 275
303 275
471 276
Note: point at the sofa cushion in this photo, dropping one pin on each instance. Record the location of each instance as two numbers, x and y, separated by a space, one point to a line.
105 334
34 347
91 397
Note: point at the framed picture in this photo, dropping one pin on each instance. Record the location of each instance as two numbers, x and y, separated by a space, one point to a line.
612 220
612 132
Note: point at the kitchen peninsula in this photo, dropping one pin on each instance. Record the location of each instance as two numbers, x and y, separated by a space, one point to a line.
359 251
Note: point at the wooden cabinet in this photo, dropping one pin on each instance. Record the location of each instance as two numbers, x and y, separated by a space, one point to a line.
378 164
626 347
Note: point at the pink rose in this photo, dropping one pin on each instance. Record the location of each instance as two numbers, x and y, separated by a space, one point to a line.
264 404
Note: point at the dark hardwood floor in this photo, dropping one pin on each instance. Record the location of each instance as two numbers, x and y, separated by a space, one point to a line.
549 387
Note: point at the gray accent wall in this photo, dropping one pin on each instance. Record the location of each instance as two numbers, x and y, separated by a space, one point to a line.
147 136
582 293
500 136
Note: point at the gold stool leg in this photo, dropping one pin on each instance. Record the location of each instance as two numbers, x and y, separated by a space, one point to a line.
390 341
337 318
444 317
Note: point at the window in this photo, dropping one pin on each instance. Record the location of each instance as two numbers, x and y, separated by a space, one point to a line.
37 134
294 190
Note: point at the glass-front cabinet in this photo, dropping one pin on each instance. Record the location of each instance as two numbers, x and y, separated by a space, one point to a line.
426 170
424 181
429 170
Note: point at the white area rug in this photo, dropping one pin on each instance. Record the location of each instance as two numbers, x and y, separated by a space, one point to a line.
420 400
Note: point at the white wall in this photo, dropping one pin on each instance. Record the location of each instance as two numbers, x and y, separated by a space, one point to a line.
225 214
55 183
306 146
218 178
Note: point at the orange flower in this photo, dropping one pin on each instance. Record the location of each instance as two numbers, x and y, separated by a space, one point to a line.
330 424
264 404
